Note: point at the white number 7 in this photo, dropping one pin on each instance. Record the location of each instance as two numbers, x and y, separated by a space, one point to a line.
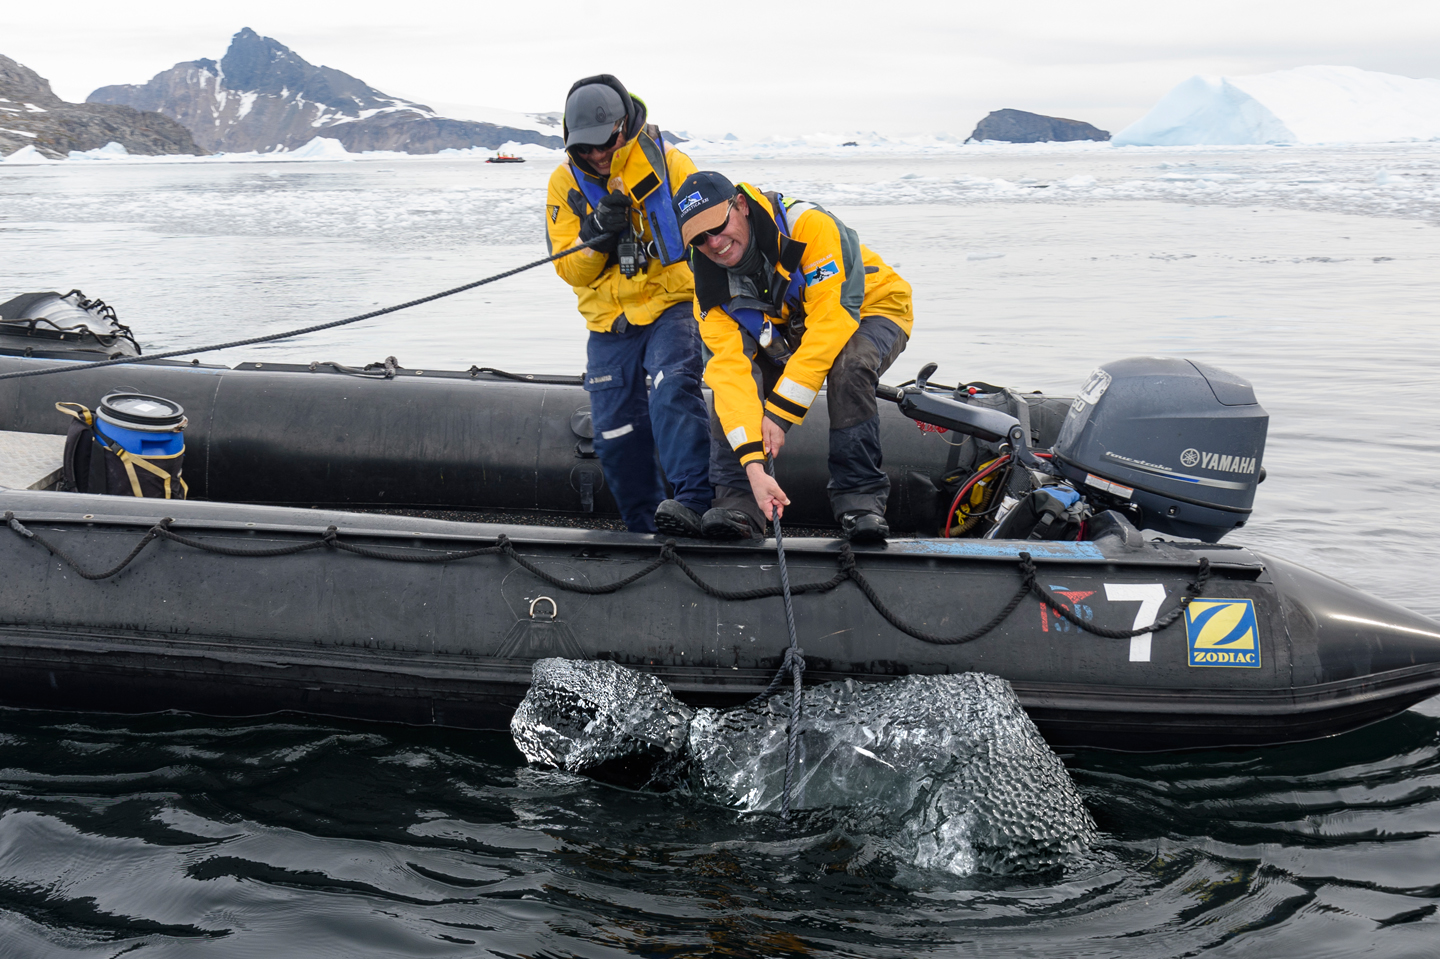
1149 596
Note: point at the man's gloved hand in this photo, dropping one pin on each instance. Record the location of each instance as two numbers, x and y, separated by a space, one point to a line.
612 217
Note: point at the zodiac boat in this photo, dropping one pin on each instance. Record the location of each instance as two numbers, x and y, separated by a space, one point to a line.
268 590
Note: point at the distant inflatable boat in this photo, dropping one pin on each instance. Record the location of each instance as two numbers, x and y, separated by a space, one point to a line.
260 595
505 158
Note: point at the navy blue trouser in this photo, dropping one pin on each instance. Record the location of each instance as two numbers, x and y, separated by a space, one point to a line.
627 417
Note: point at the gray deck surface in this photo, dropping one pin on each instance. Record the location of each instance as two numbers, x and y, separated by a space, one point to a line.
30 460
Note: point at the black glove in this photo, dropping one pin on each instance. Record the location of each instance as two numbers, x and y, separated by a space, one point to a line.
612 217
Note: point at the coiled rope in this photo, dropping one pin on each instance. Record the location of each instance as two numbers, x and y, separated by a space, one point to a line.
272 337
668 555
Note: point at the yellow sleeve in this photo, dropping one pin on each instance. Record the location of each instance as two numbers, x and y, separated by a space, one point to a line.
834 288
562 230
729 376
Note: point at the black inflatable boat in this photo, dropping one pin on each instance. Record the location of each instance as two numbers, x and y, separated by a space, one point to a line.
65 326
232 604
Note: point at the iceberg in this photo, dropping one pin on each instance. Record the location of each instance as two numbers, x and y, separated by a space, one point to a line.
319 148
948 770
27 154
1315 104
110 151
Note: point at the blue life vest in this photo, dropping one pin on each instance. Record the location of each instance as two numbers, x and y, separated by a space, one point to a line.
753 320
657 204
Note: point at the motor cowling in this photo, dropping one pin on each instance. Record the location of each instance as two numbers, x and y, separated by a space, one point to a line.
1176 443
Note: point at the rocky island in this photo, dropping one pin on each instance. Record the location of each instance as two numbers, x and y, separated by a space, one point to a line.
1017 126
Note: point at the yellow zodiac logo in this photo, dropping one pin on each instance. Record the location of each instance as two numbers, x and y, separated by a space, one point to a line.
1223 632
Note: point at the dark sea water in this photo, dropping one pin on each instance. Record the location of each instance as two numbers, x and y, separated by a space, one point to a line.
178 835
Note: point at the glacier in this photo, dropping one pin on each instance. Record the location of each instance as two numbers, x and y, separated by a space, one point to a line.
1314 104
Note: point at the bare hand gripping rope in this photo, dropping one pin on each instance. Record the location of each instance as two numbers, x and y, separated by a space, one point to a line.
272 337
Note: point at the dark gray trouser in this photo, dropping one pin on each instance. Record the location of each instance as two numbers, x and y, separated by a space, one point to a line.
857 481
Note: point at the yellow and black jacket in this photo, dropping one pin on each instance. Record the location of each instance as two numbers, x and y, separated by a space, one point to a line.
603 292
824 282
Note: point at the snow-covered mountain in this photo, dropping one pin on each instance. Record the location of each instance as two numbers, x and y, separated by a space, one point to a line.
1317 104
263 96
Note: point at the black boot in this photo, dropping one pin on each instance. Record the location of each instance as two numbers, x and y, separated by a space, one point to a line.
673 518
721 523
865 528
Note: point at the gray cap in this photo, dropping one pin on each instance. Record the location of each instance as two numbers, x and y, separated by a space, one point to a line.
590 114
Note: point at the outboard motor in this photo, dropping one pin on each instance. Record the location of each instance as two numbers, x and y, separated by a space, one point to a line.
1174 443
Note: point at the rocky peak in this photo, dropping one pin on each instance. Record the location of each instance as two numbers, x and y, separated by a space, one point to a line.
20 84
264 96
32 115
256 64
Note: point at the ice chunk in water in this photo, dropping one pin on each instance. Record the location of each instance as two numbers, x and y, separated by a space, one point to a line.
582 715
953 760
950 768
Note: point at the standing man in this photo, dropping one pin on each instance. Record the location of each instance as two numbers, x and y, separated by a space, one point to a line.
634 289
787 299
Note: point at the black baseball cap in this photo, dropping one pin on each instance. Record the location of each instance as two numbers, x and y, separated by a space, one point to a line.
701 203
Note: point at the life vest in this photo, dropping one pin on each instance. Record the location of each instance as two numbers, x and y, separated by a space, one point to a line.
652 193
751 314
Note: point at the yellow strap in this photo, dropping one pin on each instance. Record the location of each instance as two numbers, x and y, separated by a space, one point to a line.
131 461
84 416
130 472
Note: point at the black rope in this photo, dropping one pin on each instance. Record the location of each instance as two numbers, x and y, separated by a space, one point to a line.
762 592
794 658
15 525
300 332
791 665
932 638
667 551
1194 589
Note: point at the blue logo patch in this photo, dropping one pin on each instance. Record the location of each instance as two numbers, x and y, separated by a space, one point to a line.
1223 632
688 203
822 273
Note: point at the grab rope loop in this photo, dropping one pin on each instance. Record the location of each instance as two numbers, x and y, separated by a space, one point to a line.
668 555
1194 589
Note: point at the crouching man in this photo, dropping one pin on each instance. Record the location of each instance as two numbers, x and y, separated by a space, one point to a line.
787 299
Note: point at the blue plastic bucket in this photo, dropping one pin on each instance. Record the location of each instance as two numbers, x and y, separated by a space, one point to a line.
142 442
141 424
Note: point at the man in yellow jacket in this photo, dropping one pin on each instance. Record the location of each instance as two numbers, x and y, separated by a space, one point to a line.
634 289
788 299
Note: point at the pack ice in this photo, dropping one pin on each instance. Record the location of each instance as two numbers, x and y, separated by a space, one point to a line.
948 769
1316 104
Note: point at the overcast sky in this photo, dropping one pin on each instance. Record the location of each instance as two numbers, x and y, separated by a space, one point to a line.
748 67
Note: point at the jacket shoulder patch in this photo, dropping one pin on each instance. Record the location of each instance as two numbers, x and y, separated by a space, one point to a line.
822 272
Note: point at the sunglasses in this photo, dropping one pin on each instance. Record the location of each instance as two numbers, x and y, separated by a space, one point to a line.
601 147
699 239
